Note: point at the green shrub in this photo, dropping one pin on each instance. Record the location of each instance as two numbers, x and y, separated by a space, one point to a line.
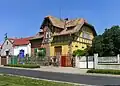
24 65
78 52
104 71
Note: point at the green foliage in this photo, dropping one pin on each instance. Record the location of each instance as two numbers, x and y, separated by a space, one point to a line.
42 52
107 44
78 52
35 51
104 71
24 65
6 37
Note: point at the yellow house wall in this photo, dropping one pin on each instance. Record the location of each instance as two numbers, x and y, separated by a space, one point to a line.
77 45
64 48
82 43
51 50
88 30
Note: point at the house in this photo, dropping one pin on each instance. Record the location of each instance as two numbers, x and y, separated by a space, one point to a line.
63 36
0 49
13 46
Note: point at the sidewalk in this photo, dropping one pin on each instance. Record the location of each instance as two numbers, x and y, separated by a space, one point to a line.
70 70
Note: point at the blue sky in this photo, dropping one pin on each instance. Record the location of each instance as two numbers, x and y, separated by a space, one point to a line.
21 18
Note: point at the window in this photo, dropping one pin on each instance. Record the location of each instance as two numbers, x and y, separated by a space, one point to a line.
76 46
65 38
47 35
7 42
62 38
59 39
54 39
82 47
86 35
70 28
7 53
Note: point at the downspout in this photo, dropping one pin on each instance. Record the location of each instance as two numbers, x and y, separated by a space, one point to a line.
70 47
70 51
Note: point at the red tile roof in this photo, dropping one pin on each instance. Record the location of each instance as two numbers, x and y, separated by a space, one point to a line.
20 41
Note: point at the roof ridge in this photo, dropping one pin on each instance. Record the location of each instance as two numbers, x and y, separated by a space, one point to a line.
21 38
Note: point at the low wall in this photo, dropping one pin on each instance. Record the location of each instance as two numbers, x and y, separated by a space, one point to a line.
108 66
112 63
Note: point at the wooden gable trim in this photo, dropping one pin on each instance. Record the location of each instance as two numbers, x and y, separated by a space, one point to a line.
92 28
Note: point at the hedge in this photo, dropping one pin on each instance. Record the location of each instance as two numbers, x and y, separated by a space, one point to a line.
104 71
24 65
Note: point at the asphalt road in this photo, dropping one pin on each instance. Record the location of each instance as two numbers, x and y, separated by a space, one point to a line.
76 78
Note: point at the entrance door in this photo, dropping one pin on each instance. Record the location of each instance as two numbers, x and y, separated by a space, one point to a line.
58 50
21 54
7 53
58 53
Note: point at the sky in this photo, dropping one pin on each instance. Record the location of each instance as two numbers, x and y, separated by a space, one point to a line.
22 18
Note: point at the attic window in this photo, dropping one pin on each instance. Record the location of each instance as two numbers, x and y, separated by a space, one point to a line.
70 28
7 42
86 35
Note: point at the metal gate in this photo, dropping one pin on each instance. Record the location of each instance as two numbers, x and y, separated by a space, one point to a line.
85 62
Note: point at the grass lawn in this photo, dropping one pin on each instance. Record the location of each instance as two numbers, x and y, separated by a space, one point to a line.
6 80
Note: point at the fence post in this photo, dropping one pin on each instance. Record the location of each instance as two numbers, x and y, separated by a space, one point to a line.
87 62
95 60
118 57
7 59
76 61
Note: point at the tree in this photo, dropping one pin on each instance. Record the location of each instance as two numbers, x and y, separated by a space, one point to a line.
97 45
108 43
78 52
5 36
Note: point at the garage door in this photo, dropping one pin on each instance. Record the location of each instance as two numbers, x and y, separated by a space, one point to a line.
3 60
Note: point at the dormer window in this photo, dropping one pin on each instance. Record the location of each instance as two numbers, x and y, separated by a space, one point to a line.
70 28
